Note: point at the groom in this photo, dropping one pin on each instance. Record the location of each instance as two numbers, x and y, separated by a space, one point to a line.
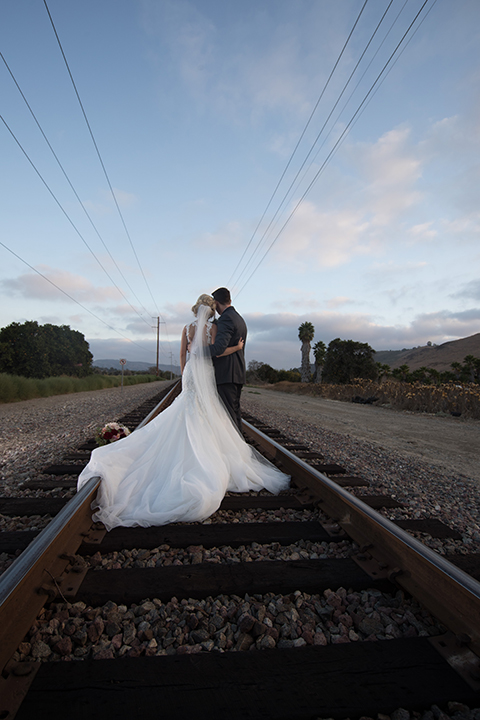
229 370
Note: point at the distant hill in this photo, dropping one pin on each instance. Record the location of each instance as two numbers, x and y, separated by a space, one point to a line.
134 365
438 357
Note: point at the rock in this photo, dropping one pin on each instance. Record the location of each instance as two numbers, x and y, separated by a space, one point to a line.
246 622
63 647
135 651
258 629
437 713
93 632
80 637
400 714
199 636
319 638
25 648
102 653
244 642
40 650
457 707
307 635
265 642
112 628
129 633
117 641
339 639
221 640
369 626
192 621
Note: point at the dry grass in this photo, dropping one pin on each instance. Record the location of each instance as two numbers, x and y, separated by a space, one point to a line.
417 397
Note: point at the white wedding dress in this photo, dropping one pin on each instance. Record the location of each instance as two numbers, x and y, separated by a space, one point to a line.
179 466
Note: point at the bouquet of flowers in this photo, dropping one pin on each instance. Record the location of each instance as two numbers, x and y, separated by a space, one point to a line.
110 432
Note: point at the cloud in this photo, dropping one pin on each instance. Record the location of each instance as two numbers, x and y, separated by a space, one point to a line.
124 198
291 298
105 204
273 338
32 285
393 269
111 348
469 290
423 231
327 238
464 228
262 68
390 168
227 236
338 302
349 218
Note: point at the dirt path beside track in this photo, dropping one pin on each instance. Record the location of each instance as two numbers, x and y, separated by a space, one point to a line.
449 443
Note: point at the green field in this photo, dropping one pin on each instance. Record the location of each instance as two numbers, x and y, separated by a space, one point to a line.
14 387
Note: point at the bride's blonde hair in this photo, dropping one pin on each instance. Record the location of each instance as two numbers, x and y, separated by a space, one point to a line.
204 300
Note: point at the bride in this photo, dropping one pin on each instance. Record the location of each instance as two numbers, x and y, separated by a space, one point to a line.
178 467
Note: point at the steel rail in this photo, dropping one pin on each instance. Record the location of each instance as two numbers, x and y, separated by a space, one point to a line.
450 594
26 584
46 569
40 570
163 404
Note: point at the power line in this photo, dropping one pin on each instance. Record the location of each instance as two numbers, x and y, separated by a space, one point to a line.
70 297
79 200
361 78
98 152
334 148
315 141
299 140
58 203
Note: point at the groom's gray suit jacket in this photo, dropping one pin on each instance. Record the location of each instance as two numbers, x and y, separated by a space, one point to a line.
230 328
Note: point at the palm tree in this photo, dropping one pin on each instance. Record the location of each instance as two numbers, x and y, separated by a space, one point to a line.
306 331
383 371
319 350
457 369
469 362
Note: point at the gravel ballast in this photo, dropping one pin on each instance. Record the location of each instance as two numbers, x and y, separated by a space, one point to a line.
424 489
37 433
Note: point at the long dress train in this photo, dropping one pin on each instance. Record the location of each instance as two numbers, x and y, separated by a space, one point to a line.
179 466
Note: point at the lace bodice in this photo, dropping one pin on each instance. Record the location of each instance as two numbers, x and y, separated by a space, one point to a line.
192 328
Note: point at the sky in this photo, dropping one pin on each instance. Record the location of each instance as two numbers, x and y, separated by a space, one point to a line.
320 159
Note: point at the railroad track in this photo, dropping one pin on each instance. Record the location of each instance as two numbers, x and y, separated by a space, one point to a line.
298 626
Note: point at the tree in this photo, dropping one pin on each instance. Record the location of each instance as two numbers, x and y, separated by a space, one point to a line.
319 351
267 374
434 376
33 350
306 331
470 364
22 350
457 369
401 373
383 370
346 360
